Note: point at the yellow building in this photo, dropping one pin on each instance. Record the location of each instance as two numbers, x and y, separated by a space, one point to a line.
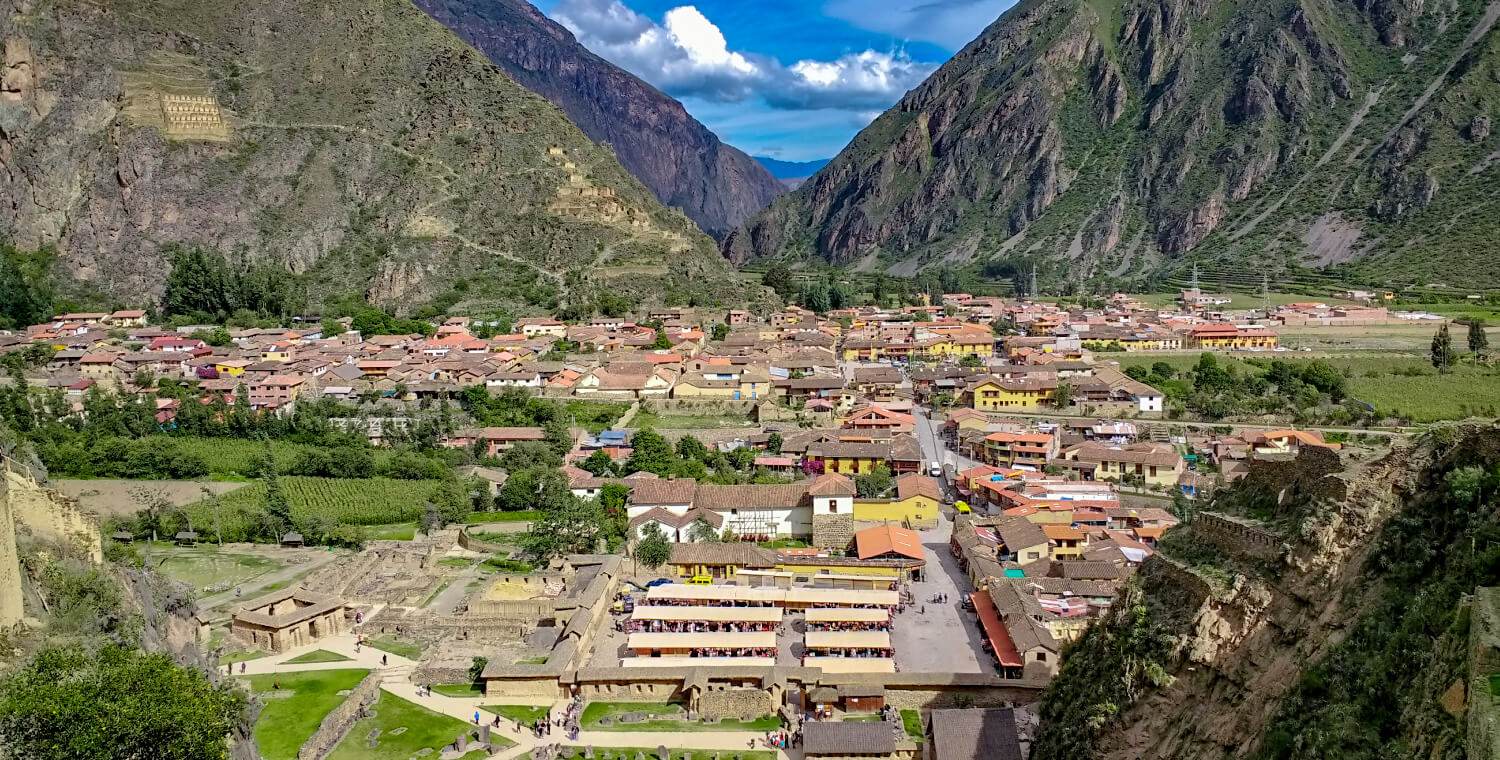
848 458
1231 337
1153 464
993 394
231 367
917 500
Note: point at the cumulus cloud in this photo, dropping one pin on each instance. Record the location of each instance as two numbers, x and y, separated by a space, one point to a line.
686 55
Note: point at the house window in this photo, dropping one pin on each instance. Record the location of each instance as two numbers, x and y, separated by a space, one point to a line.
1032 555
1041 656
833 506
734 511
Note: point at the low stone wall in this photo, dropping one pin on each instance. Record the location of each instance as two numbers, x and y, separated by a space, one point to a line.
337 723
438 674
1238 536
476 545
833 531
741 704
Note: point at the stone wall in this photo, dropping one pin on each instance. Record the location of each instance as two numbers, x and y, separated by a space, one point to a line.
833 531
1238 536
337 723
948 696
48 514
12 610
742 704
476 545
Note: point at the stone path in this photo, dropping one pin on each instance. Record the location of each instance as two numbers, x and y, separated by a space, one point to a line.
397 680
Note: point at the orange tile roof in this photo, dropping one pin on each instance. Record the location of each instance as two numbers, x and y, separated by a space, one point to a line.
883 539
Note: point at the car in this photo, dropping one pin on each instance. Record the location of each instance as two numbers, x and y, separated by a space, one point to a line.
935 469
700 580
628 605
659 582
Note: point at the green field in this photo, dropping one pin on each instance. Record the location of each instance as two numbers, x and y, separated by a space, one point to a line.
671 421
1240 301
366 501
404 531
460 690
424 730
527 714
411 650
480 518
594 711
293 712
229 658
203 567
911 720
317 655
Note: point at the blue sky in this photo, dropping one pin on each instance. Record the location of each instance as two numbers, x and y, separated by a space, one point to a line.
793 80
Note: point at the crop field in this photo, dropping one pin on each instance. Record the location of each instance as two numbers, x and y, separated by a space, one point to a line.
1430 398
209 567
363 501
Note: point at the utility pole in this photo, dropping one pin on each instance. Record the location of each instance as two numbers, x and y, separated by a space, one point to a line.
1033 292
1265 294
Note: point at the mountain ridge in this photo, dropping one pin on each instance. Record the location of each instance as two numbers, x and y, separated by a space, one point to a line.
681 161
791 169
1113 143
358 144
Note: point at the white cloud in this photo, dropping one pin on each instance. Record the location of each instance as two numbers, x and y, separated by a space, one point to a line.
686 55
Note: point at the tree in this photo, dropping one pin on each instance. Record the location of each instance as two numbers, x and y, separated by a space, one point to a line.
519 491
1062 396
558 435
599 464
720 332
115 704
25 296
199 283
1209 376
568 524
277 505
331 327
689 447
779 279
1442 349
1325 377
873 483
476 668
613 500
921 316
1479 341
649 453
700 532
662 342
451 500
654 549
774 443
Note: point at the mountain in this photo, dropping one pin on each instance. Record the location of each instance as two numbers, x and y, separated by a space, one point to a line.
1112 142
652 135
791 169
356 142
1339 605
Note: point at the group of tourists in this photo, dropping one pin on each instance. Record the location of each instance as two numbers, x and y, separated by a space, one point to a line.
684 626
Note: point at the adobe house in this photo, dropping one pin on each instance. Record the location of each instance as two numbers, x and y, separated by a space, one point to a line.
288 619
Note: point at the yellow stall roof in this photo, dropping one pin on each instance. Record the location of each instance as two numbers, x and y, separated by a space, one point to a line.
684 662
681 592
847 615
850 664
848 640
840 596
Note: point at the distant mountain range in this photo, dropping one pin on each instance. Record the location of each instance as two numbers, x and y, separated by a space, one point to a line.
1117 143
792 169
653 136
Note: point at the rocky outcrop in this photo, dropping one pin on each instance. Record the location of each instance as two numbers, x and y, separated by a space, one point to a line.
653 136
1172 116
359 144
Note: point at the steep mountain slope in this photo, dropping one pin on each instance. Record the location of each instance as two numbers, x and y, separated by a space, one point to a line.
1320 610
356 141
791 169
1119 139
652 135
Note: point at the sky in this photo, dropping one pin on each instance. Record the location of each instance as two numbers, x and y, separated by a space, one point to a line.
790 79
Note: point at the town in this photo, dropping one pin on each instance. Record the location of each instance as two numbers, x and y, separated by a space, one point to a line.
863 533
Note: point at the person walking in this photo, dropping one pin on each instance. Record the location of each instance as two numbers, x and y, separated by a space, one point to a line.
476 717
382 661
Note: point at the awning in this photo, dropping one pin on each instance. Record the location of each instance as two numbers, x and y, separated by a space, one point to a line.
995 630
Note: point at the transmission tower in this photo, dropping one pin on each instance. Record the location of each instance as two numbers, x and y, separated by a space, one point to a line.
1265 294
1195 276
1033 292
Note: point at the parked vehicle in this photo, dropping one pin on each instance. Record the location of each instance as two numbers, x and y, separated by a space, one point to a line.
700 580
935 469
658 582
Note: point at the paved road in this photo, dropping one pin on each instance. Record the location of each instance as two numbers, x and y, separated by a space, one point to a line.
933 636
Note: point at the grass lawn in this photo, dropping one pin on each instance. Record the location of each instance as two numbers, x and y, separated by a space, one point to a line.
911 720
234 657
455 562
385 642
318 655
393 532
424 729
594 711
871 718
460 690
525 713
203 567
783 543
670 421
479 518
293 712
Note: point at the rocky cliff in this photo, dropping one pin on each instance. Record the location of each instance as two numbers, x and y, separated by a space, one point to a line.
680 160
1319 611
1116 140
358 143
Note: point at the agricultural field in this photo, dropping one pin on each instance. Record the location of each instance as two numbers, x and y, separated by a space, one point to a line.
364 501
674 421
111 497
209 568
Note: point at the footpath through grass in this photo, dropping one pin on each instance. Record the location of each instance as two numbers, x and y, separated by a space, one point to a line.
403 730
293 712
460 690
385 642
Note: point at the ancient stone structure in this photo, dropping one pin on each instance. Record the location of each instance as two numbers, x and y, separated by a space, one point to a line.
833 531
336 724
740 704
11 609
49 515
193 117
1239 536
287 619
